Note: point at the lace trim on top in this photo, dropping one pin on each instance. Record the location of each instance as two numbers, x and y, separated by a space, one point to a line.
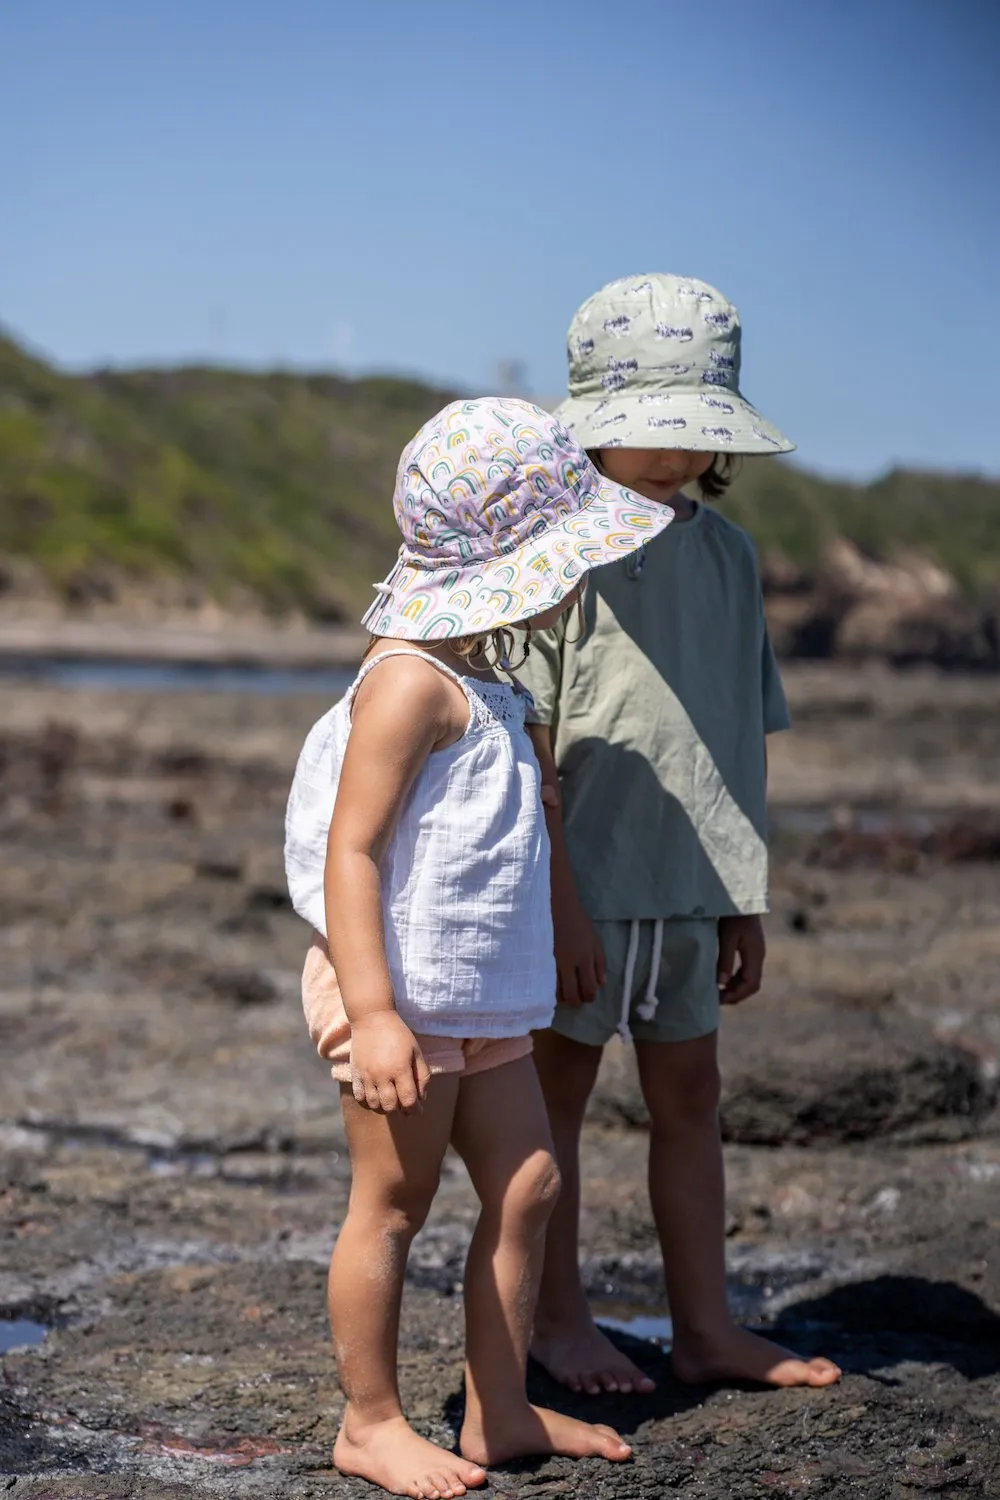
501 699
489 702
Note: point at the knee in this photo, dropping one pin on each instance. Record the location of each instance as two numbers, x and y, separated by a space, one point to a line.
688 1099
534 1190
400 1208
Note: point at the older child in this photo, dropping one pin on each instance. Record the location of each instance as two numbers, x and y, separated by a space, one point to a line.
416 848
650 731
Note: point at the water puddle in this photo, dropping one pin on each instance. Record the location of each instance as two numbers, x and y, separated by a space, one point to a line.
176 677
759 1289
20 1333
638 1326
276 1165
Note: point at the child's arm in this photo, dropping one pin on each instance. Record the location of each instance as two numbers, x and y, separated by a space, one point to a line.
401 713
741 938
579 956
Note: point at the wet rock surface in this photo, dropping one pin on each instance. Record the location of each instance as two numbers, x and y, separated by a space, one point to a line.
174 1165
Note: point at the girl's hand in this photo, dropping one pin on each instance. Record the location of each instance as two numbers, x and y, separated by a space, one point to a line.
740 938
580 966
388 1071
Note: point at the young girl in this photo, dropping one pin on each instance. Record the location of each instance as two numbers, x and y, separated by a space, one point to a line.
650 731
416 847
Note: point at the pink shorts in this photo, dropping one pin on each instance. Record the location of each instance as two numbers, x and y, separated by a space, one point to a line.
331 1030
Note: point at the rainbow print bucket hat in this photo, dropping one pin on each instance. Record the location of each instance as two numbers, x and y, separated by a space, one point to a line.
654 362
502 513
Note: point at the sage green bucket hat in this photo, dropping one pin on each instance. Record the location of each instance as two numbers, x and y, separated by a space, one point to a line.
654 362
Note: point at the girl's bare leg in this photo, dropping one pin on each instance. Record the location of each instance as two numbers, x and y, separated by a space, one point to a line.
680 1083
395 1165
514 1173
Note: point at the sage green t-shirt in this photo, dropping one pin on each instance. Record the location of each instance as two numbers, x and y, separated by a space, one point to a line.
659 715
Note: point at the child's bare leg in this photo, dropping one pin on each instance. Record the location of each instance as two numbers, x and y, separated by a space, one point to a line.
567 1341
680 1083
517 1180
395 1165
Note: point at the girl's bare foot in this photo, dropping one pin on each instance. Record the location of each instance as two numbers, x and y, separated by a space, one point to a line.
739 1354
585 1359
531 1430
392 1455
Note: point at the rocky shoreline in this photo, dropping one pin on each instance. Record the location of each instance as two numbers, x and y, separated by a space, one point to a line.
846 608
175 1166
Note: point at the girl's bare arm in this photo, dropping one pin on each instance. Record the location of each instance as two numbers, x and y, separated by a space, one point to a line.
401 714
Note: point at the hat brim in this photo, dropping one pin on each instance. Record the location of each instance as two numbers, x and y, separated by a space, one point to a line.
418 603
716 420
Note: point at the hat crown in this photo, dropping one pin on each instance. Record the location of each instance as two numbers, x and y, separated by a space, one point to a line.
655 334
482 477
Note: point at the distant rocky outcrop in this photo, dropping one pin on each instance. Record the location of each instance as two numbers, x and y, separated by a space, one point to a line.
854 608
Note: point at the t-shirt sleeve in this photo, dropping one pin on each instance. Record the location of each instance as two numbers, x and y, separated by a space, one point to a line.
776 714
541 674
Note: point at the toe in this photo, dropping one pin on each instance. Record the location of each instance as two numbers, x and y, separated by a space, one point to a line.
823 1371
614 1446
609 1381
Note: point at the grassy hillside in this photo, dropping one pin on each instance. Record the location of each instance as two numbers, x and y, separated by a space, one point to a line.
277 486
273 484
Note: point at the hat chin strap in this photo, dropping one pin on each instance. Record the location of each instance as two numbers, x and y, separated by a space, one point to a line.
385 587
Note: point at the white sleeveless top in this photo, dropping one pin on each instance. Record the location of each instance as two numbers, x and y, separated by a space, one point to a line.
465 880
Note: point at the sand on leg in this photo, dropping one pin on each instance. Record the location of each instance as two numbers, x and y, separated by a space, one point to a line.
395 1166
515 1175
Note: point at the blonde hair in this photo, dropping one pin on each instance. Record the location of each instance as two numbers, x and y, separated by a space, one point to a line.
468 646
501 640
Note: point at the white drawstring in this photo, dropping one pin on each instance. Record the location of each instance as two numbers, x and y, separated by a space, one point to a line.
647 1009
387 584
629 980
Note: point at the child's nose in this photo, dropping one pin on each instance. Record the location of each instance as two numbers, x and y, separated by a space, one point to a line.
674 464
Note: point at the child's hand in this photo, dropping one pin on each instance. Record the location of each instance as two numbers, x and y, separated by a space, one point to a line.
580 965
388 1071
740 938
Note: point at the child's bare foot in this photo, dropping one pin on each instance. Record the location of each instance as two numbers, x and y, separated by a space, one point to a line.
530 1430
392 1455
581 1356
739 1354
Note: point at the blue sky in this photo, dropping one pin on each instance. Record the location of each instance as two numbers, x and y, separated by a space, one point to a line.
435 187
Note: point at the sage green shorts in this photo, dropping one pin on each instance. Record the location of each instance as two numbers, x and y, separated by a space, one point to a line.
685 988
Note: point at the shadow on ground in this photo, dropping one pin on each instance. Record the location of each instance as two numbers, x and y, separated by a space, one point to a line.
869 1325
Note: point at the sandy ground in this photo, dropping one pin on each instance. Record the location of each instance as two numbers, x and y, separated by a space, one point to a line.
174 1168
